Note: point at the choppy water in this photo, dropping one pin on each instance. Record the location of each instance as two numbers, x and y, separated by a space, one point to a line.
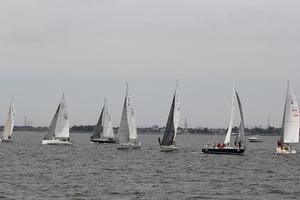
29 170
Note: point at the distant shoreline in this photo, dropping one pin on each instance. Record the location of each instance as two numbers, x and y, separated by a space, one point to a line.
159 130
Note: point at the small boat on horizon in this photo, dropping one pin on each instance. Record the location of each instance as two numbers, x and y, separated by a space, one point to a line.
239 145
127 133
104 132
255 138
168 142
9 124
58 131
290 124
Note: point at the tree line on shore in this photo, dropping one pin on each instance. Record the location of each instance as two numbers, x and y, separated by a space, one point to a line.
157 130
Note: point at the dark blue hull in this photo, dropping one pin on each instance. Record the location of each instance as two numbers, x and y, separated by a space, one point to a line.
233 151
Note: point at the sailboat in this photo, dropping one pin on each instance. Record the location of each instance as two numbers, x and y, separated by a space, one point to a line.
290 124
58 131
239 145
168 141
127 133
9 124
104 132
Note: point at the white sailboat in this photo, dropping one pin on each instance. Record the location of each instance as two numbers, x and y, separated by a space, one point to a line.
9 124
127 134
58 132
104 132
168 142
290 124
239 145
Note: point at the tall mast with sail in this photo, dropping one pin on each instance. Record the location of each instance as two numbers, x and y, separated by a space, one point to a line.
290 123
104 131
168 141
239 143
58 131
9 124
127 134
228 134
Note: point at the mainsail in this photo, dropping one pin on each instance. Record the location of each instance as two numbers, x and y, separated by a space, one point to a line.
127 131
172 123
290 128
10 121
104 125
227 138
242 124
59 126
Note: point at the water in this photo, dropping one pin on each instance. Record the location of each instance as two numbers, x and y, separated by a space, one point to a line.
29 170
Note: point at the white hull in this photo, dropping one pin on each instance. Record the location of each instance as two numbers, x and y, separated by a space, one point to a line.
128 146
285 151
5 140
55 142
168 148
255 139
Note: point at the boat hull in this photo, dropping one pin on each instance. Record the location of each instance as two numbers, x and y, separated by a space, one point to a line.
168 148
129 146
285 151
255 140
103 140
230 151
5 140
56 142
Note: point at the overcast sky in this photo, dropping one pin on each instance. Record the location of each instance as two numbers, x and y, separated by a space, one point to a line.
89 49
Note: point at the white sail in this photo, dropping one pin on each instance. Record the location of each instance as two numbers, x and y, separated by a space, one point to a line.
228 135
10 122
131 120
107 124
176 116
291 118
62 124
127 130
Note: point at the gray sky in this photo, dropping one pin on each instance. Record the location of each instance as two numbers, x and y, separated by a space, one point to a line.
88 49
